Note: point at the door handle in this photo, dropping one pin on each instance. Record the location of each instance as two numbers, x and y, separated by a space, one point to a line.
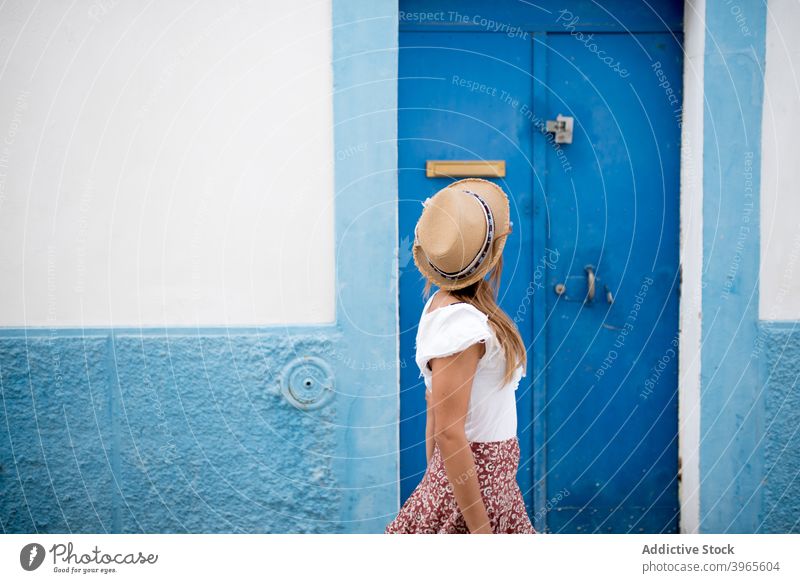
591 287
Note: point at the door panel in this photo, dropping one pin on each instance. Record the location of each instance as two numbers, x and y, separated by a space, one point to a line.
611 412
456 102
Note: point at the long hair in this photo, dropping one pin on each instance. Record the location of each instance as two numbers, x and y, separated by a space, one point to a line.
483 295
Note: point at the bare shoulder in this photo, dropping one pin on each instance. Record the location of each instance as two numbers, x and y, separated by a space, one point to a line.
440 299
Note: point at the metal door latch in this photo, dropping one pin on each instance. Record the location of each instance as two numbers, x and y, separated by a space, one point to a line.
591 283
561 127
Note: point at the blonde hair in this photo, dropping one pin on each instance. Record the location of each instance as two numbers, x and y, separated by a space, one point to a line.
483 295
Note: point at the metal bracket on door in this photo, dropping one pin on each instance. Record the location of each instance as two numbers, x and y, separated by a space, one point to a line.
561 127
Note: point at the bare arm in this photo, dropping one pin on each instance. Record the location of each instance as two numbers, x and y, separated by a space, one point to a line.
429 428
452 386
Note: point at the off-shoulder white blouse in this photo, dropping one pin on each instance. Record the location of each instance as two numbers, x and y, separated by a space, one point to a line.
492 412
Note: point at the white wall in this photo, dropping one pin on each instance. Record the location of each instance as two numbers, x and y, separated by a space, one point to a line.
780 168
166 164
691 264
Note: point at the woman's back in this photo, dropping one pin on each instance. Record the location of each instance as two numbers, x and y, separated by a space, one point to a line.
451 328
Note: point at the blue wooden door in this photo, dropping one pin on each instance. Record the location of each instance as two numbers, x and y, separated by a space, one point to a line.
598 409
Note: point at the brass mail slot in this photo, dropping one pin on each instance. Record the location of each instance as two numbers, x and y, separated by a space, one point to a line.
465 168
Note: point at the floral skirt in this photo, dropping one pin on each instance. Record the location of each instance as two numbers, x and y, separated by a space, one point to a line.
432 508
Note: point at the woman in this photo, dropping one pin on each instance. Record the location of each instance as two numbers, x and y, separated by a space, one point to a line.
471 357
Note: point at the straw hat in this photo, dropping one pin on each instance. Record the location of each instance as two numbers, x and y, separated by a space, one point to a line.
461 233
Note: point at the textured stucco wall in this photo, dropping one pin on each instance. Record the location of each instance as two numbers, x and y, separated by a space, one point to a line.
781 371
56 443
156 433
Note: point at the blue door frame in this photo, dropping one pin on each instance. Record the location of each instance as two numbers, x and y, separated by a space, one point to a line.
571 483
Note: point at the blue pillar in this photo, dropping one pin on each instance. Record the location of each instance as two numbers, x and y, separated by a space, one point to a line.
732 397
365 37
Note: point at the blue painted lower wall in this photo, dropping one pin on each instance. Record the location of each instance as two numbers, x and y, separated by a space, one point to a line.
780 345
156 433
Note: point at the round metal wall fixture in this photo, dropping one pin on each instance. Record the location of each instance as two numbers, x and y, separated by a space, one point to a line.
307 382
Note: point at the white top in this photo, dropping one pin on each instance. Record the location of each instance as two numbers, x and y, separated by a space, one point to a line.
492 412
